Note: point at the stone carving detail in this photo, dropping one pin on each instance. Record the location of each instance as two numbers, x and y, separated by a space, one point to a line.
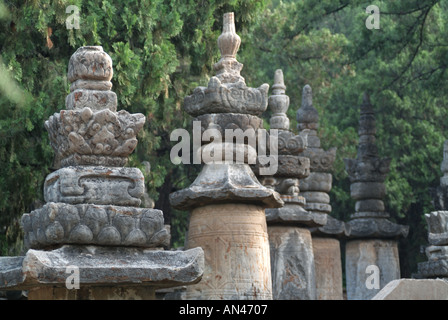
91 218
96 185
91 132
85 137
61 223
437 251
367 174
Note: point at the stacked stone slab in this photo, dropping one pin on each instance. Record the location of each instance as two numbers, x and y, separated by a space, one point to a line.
437 221
226 200
315 188
292 258
91 218
373 238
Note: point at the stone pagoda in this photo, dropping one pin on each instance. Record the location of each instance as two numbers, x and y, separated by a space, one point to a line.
437 251
226 200
373 238
315 188
92 223
292 259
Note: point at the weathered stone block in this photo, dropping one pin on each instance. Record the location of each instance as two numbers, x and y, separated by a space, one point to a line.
328 268
227 98
413 289
103 266
294 214
87 137
320 160
317 181
359 255
61 223
367 190
236 250
90 63
369 205
438 227
292 263
93 99
96 185
316 197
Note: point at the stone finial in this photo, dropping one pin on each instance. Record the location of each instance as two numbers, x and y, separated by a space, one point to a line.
278 103
228 68
307 115
279 83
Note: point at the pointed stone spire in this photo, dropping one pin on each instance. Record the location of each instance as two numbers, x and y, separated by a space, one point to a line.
226 200
279 103
367 174
292 165
228 68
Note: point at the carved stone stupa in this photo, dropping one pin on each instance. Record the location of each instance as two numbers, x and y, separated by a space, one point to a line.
315 189
226 200
292 259
92 219
373 238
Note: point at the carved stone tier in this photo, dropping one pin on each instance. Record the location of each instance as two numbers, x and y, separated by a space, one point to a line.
294 214
95 185
438 227
437 252
102 267
370 170
232 121
94 99
373 227
88 224
333 228
220 183
90 71
87 137
227 98
320 160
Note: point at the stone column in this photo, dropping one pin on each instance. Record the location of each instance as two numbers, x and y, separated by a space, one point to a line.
292 258
92 221
373 238
226 200
315 188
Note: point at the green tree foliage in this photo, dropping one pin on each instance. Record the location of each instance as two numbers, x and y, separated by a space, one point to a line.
161 50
